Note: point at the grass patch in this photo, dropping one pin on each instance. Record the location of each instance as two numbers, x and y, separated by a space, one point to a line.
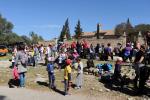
7 57
31 75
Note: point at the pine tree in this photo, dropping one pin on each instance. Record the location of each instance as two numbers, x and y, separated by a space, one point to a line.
65 31
62 34
129 27
78 30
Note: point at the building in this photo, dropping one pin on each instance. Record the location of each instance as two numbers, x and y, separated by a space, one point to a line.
103 37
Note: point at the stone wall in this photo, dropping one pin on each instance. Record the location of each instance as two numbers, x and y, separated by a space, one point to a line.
113 42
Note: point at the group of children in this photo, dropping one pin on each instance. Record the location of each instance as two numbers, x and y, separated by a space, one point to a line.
67 74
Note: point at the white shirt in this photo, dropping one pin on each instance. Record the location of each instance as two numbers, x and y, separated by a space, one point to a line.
80 67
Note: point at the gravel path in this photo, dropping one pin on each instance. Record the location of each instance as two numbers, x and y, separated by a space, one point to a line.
27 94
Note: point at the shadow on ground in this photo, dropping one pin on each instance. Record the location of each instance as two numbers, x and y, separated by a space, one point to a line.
126 89
54 89
2 97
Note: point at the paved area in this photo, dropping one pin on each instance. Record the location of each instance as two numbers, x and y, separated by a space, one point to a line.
27 94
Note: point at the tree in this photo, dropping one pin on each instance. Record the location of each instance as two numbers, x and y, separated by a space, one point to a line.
143 28
10 38
26 39
41 38
78 30
35 38
129 28
124 27
65 31
120 29
5 26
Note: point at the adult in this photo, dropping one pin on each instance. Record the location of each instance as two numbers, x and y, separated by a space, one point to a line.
117 49
139 63
79 48
36 53
41 51
92 51
108 52
21 63
127 52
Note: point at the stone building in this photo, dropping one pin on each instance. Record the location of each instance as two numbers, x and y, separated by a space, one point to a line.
103 37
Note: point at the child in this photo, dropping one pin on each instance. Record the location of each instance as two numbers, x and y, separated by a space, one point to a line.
79 78
67 76
117 71
13 59
51 76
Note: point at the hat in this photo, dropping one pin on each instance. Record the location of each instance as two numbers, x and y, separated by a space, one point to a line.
68 61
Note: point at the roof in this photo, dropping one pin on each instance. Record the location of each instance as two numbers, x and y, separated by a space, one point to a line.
108 32
88 33
103 32
111 36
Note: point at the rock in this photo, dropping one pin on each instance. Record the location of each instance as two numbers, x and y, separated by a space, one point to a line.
92 88
40 79
108 90
100 90
86 73
130 98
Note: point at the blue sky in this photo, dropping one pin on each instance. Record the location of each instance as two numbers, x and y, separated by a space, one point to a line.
46 17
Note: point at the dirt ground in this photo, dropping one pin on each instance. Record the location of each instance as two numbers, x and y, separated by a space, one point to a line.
92 89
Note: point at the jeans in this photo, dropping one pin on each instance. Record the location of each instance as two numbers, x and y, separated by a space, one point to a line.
66 83
35 61
51 80
22 79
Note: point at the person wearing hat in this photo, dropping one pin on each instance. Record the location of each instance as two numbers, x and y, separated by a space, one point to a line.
67 76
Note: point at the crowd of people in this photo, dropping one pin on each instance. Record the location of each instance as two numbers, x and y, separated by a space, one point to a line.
69 56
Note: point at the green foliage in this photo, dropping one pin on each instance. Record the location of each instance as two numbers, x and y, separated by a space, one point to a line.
35 38
143 28
78 30
129 27
65 33
26 40
120 29
10 38
124 27
5 26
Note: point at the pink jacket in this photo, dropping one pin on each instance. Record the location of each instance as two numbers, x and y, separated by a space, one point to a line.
15 73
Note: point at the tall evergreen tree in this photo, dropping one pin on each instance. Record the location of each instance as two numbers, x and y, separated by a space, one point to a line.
65 31
62 34
129 27
78 30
